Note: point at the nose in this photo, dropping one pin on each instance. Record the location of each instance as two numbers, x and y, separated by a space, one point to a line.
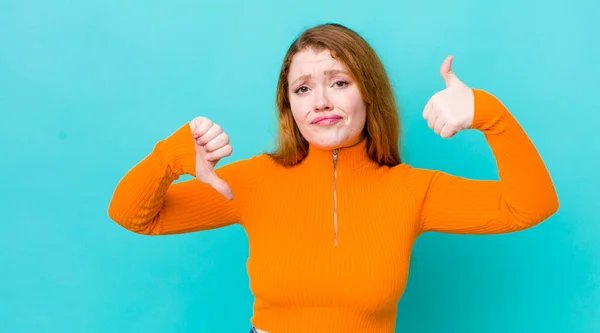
322 102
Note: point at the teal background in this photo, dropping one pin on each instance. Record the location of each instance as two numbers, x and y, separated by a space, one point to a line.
87 88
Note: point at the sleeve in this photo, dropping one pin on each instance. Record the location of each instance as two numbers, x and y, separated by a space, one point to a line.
146 201
523 196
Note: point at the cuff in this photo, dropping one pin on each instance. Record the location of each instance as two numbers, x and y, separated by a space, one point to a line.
488 110
178 151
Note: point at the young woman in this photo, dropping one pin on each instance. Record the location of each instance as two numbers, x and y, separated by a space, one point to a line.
332 214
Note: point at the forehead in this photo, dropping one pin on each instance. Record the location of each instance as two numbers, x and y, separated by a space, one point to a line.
310 61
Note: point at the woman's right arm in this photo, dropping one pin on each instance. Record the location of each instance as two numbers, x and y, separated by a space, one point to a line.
146 201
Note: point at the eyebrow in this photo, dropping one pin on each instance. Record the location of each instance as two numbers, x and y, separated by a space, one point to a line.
328 72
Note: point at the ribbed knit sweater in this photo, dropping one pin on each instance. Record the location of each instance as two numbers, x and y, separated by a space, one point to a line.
330 242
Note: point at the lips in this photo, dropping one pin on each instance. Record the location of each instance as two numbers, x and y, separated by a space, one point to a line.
325 119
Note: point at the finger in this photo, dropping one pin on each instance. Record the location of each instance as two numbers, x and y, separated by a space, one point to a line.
447 73
210 134
200 126
221 186
431 119
439 124
219 153
448 131
221 140
427 109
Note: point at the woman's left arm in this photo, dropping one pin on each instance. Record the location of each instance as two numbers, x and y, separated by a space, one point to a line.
523 197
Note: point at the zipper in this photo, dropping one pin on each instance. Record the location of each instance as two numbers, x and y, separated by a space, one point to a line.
335 219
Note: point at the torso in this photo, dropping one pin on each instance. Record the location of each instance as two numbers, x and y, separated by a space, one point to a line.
294 260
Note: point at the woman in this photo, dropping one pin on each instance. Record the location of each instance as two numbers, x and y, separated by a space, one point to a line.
332 214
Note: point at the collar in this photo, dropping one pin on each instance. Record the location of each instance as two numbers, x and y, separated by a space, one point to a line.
349 159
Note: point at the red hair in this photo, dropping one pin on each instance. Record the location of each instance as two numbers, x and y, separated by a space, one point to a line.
382 127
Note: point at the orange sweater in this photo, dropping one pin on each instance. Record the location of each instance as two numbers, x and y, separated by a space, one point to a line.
301 279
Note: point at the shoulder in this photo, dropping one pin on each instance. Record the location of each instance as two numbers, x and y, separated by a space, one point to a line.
410 176
406 171
248 167
251 163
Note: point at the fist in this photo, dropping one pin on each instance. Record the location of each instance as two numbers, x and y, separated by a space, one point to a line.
451 110
211 145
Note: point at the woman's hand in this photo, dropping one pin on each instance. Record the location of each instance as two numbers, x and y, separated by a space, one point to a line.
212 144
451 110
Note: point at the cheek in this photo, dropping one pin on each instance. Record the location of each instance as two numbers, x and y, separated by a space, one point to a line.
301 110
354 106
299 114
360 117
296 112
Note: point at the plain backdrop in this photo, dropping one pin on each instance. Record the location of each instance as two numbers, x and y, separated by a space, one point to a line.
87 88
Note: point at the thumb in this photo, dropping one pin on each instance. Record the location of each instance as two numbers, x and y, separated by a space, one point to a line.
220 185
447 73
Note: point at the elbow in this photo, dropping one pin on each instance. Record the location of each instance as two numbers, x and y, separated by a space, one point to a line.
115 214
548 205
134 224
546 211
540 210
553 205
118 214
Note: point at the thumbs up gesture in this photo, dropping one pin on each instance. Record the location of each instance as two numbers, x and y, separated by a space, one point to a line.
451 110
211 145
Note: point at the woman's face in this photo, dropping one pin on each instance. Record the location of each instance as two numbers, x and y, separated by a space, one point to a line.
325 101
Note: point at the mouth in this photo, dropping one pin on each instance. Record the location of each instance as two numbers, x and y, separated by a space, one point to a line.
326 120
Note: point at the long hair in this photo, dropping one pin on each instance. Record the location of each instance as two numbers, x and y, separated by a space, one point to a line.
382 127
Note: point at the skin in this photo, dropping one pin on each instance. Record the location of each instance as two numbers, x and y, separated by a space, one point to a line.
320 86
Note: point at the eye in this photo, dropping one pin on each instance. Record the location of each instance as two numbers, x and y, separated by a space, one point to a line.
302 89
341 83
